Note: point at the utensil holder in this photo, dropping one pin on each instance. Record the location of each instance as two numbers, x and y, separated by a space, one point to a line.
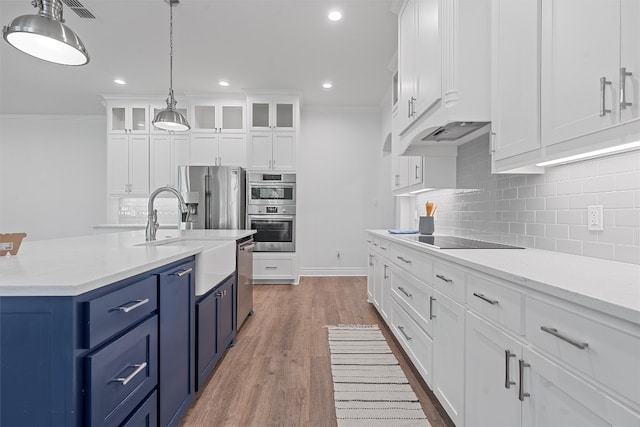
10 243
426 225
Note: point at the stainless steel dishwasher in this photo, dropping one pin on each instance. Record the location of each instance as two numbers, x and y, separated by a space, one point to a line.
245 280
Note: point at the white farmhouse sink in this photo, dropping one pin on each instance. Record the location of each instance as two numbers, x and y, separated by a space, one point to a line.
213 264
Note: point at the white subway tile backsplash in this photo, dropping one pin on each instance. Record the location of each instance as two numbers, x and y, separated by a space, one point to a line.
598 250
546 211
569 187
598 184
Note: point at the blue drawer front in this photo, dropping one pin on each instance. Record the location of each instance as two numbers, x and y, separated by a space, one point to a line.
120 309
121 374
146 415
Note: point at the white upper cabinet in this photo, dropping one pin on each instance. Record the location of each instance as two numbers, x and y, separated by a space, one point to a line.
587 45
277 113
218 149
272 151
418 60
128 165
515 86
167 152
127 118
221 116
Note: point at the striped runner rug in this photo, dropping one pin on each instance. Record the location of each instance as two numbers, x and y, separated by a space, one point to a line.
369 387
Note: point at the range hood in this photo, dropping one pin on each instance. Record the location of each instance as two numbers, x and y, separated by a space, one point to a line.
434 139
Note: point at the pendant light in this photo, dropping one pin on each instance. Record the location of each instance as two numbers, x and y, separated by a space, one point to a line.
169 118
45 36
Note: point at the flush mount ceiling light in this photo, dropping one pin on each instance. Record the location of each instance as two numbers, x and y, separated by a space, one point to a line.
45 36
169 118
335 15
119 82
327 85
223 83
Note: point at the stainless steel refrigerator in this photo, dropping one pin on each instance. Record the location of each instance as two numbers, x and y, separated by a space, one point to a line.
216 199
215 195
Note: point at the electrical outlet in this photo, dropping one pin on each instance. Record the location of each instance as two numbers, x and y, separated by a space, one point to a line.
594 218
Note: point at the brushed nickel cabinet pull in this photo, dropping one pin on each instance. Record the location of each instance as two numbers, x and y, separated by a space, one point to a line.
555 333
139 368
370 260
384 248
384 274
441 277
403 259
401 289
409 109
603 107
431 315
483 298
269 267
417 169
183 272
507 380
401 328
521 393
137 303
623 88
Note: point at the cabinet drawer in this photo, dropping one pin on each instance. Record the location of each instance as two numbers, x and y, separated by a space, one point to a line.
500 304
413 261
608 355
414 340
272 267
121 374
116 311
450 280
146 415
415 296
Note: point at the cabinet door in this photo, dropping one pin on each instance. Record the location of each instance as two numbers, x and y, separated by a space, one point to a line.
580 45
380 271
177 341
138 117
407 63
128 119
556 397
206 349
400 172
371 276
204 118
630 57
232 117
226 296
284 115
260 115
259 150
515 108
204 149
415 170
161 160
448 356
284 151
118 164
428 74
232 149
491 386
139 164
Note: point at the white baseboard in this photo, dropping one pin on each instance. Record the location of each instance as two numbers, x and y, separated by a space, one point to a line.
334 271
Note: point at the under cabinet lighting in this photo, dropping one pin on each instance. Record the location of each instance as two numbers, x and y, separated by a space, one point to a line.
335 15
590 154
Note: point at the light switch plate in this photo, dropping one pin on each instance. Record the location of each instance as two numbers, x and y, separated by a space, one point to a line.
594 218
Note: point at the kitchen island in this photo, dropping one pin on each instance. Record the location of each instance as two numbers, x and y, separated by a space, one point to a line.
100 330
513 336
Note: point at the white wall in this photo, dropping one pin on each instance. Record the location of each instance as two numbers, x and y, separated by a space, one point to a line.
340 163
52 175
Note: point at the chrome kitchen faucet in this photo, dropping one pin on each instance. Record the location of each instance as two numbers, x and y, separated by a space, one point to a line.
152 221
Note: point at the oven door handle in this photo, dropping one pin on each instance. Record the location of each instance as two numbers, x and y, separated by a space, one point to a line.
272 217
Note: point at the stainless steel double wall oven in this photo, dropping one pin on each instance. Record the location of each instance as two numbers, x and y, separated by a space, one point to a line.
271 210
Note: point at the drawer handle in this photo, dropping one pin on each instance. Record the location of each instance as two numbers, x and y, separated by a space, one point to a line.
271 267
483 298
401 329
441 277
183 272
375 244
431 315
384 274
555 333
384 248
521 393
507 380
408 261
136 304
401 289
139 368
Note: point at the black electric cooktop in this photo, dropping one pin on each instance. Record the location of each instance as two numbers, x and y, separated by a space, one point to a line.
452 242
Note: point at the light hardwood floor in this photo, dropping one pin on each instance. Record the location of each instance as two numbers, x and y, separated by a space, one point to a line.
279 372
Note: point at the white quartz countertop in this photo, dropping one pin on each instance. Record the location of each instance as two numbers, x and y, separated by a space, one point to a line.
74 265
608 286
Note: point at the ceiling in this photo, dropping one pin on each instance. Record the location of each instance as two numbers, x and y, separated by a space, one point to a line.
255 44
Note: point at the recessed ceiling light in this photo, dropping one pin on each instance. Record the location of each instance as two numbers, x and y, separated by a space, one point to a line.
119 82
335 15
327 85
223 83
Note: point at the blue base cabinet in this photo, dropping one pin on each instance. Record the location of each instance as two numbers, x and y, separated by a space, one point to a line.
101 358
216 327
